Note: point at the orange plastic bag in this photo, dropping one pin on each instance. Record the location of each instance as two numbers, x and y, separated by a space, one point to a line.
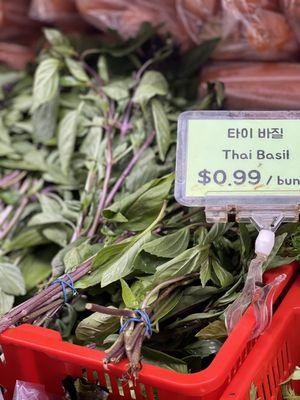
254 86
16 56
61 13
248 29
126 17
262 28
14 20
291 9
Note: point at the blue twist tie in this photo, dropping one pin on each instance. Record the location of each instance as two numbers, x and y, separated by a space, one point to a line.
65 285
141 316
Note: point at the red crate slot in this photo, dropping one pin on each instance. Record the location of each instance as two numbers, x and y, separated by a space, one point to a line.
274 356
39 355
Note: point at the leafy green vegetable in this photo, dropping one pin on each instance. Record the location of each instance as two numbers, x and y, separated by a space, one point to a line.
96 327
67 131
46 82
169 246
128 296
152 84
162 128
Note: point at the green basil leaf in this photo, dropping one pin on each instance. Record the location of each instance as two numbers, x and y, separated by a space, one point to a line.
6 302
279 240
67 131
44 119
141 207
224 277
77 70
214 330
11 279
35 269
185 263
152 84
97 327
169 246
164 360
29 237
162 128
46 80
128 296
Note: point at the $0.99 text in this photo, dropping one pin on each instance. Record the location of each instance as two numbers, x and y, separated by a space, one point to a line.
220 177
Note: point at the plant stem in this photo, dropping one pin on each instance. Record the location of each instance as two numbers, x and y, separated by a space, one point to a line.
109 311
125 123
44 309
15 218
46 296
8 210
128 169
11 179
163 285
104 190
88 188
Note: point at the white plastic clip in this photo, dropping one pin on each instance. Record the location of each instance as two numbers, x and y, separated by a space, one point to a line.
265 242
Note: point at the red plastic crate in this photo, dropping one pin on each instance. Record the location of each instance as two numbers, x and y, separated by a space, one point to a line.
274 356
39 355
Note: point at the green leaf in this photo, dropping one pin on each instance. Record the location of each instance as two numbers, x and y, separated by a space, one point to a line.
214 330
119 89
10 77
91 145
193 296
67 131
141 207
57 263
11 279
295 376
35 269
128 296
162 128
97 327
253 392
6 302
48 218
116 261
103 259
49 204
123 264
203 348
77 254
6 149
144 171
169 246
29 237
77 70
57 234
224 277
185 263
103 68
216 231
55 38
279 240
196 317
44 120
152 84
278 261
166 306
245 241
46 80
163 360
196 57
206 270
